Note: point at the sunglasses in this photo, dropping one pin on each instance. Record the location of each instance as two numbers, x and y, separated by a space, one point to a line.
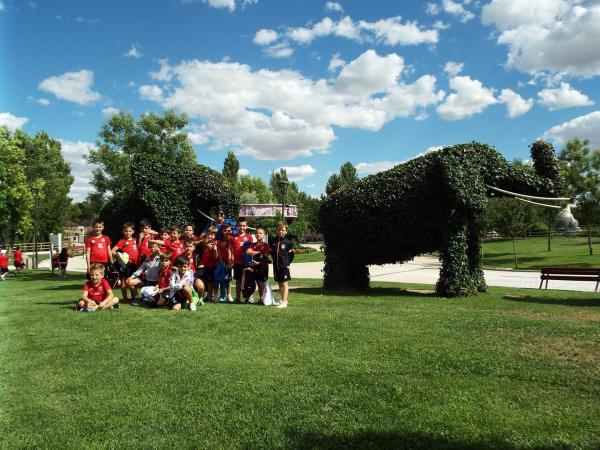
220 214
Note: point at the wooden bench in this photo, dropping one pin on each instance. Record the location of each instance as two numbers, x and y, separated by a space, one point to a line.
571 274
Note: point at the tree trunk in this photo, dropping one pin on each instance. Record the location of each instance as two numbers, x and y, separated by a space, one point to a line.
549 229
515 253
589 230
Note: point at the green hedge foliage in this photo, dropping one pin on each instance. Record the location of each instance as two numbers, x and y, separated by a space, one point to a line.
168 194
428 204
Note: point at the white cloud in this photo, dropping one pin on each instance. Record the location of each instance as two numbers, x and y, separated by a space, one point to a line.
335 63
391 31
334 6
243 172
75 153
298 173
40 101
470 98
12 122
197 138
74 87
133 52
110 111
164 73
457 9
264 113
453 68
150 92
375 167
265 36
432 9
229 4
582 127
563 97
279 50
515 104
548 35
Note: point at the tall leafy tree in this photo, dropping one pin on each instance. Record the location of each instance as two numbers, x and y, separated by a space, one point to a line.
347 176
16 200
47 169
123 139
254 188
580 166
231 167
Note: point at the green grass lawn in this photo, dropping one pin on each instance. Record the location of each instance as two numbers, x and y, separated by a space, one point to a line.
391 368
532 253
309 257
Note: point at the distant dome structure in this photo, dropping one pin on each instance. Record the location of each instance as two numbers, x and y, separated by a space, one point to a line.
565 219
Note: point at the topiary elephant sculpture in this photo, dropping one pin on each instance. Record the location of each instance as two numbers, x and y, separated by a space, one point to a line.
430 203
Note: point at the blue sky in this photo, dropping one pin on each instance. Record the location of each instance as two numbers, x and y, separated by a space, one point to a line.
306 85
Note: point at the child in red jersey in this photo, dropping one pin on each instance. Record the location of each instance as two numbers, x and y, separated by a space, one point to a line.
210 259
237 243
3 265
180 287
223 271
18 259
173 245
97 246
261 269
151 294
129 246
189 252
97 293
143 240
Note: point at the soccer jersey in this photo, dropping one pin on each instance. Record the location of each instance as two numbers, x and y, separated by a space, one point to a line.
224 251
3 262
18 256
99 248
144 244
130 247
208 256
280 250
175 247
192 259
237 243
164 277
98 292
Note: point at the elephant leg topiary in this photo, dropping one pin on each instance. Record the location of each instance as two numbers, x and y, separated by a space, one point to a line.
430 203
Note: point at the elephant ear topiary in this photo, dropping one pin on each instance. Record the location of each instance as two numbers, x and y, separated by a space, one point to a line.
168 194
431 203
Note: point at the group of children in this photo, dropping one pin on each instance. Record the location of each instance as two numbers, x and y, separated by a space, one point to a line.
174 269
17 262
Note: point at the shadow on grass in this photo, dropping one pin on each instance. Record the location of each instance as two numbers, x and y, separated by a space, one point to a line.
389 440
573 301
371 292
63 287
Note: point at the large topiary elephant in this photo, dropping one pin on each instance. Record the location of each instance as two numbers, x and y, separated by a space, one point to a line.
430 203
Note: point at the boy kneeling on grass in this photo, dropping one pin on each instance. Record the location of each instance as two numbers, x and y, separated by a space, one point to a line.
97 293
180 287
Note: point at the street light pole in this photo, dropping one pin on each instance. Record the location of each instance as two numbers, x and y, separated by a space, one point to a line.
36 191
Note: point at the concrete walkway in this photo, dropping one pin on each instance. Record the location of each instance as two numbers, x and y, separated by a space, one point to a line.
423 270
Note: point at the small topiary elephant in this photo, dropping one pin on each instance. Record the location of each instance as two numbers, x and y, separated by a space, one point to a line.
430 203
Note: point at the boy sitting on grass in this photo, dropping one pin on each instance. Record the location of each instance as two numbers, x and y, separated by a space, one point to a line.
97 293
180 287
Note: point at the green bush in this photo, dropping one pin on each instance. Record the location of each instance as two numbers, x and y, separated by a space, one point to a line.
431 203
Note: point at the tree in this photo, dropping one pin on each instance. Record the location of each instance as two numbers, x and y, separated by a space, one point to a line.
508 218
231 167
347 176
123 139
254 190
580 166
16 200
46 167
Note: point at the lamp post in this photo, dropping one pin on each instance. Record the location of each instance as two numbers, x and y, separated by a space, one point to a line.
36 191
283 184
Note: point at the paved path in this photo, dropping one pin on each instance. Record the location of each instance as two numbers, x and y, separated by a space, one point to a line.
424 270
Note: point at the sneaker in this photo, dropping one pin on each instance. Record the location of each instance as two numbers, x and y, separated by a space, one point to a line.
115 306
87 310
206 299
200 302
137 301
251 300
230 298
192 306
282 305
215 299
222 299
